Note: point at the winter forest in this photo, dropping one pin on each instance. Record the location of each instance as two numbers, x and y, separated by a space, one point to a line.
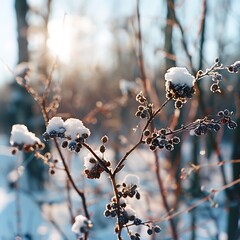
120 120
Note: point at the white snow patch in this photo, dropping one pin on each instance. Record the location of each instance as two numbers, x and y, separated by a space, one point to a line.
74 127
56 123
130 211
21 135
80 222
87 164
179 75
131 180
5 198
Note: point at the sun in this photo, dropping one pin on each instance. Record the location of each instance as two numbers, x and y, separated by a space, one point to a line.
60 40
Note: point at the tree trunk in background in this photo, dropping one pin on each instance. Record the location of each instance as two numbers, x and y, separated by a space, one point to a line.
168 46
21 8
24 104
196 181
234 206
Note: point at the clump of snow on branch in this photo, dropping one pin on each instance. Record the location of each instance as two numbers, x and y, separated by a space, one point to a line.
55 124
179 85
179 76
75 127
81 225
131 180
71 129
130 211
20 136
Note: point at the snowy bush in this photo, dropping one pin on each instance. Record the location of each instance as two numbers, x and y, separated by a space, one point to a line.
72 134
143 189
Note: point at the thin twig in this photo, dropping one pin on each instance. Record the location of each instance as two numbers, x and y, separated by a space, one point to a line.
124 158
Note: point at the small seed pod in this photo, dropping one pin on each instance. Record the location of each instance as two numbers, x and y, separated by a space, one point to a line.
149 231
104 139
232 125
230 69
157 229
176 140
226 112
178 104
146 133
14 151
64 144
102 149
138 113
214 88
85 135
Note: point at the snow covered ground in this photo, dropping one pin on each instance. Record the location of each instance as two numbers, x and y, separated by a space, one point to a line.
44 215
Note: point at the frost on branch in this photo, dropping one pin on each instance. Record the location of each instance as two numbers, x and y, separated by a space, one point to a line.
81 225
93 168
179 85
23 139
72 130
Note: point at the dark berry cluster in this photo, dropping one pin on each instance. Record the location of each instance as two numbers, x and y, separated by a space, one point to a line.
216 78
134 236
129 191
203 128
145 108
123 211
159 140
76 144
27 147
126 215
60 133
72 144
150 231
234 68
179 92
96 168
205 125
226 118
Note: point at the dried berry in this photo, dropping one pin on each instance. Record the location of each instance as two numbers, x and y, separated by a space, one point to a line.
176 140
214 88
102 149
146 133
64 144
157 229
149 231
217 127
178 104
104 139
226 112
232 125
169 147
